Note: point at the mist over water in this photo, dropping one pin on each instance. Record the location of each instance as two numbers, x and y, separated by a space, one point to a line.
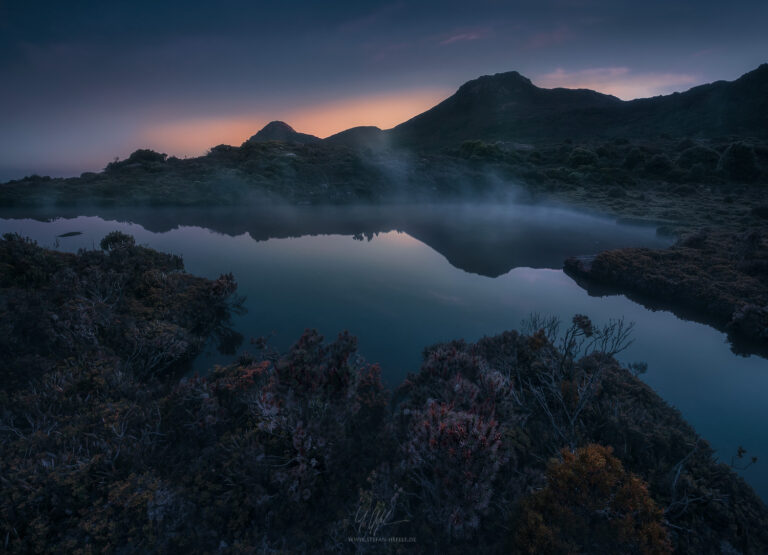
404 277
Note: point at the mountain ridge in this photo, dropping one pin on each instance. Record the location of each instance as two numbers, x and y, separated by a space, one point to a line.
508 106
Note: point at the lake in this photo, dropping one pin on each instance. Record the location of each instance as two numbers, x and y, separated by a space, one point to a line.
404 277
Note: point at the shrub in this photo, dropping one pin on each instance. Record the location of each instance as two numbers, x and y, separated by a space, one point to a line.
739 163
591 505
659 165
697 173
685 144
454 458
695 155
146 156
117 240
143 158
582 157
684 191
616 192
480 150
223 149
635 158
605 151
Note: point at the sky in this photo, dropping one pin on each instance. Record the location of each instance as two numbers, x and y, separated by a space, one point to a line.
85 82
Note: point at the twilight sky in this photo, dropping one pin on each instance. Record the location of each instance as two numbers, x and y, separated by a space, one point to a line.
83 82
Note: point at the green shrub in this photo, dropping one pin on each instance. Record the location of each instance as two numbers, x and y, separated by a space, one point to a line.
616 192
702 155
698 173
146 156
480 149
582 157
635 158
658 165
739 163
117 240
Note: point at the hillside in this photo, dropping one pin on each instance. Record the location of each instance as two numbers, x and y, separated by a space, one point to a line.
281 132
495 134
508 107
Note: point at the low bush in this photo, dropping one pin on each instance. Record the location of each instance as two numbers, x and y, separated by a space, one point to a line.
582 157
739 163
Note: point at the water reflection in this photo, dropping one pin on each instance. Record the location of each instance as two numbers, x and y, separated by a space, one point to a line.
426 277
488 240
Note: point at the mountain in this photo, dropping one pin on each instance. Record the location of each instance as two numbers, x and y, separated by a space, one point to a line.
721 108
500 107
360 137
509 107
282 132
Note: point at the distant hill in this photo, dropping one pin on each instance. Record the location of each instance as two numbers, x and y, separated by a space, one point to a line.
360 137
282 132
500 107
508 106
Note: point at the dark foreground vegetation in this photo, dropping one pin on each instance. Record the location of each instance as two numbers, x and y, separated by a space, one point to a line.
714 276
532 442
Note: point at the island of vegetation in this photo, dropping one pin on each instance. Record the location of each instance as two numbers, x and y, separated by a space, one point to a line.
712 276
536 441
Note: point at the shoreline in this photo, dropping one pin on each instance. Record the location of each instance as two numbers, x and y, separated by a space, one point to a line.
199 459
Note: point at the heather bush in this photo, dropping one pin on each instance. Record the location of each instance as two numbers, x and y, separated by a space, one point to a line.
277 439
453 458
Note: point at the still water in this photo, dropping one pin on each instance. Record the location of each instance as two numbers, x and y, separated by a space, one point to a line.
401 278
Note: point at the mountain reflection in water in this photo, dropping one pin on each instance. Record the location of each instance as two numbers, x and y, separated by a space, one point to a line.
485 239
431 274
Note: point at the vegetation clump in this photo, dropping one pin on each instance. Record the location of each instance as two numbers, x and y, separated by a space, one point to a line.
693 155
717 277
592 504
739 162
480 150
126 303
658 165
105 447
582 157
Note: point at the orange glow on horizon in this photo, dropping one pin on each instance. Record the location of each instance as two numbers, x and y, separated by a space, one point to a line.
193 137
